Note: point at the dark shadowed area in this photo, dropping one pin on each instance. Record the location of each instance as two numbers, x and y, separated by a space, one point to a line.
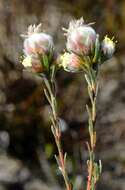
27 146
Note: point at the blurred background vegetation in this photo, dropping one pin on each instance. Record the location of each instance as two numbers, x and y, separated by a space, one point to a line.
26 144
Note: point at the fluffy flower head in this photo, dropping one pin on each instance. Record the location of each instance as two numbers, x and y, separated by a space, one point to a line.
37 42
80 37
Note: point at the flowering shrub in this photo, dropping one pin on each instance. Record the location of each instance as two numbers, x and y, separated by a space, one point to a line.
85 54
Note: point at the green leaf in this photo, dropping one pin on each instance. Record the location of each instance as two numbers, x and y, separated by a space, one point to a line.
53 72
92 183
90 120
97 50
88 80
100 166
45 62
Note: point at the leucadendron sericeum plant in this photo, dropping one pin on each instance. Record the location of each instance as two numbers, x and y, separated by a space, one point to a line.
85 54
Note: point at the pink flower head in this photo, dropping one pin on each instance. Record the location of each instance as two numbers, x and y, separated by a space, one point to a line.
80 37
37 42
71 62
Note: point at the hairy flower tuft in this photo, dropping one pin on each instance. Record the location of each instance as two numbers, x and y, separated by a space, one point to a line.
33 29
80 37
37 42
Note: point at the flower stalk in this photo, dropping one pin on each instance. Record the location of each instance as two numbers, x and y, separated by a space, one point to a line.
50 93
94 169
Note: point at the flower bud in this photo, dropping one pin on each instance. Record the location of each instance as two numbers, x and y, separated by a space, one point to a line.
80 37
71 62
108 47
37 42
32 63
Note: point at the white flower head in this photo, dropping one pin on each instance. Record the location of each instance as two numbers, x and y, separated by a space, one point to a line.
80 37
37 42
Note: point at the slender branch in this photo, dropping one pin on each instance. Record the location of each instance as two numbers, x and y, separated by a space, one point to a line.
50 93
93 167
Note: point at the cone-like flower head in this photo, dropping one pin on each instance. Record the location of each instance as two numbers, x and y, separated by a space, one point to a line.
71 62
108 47
80 37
